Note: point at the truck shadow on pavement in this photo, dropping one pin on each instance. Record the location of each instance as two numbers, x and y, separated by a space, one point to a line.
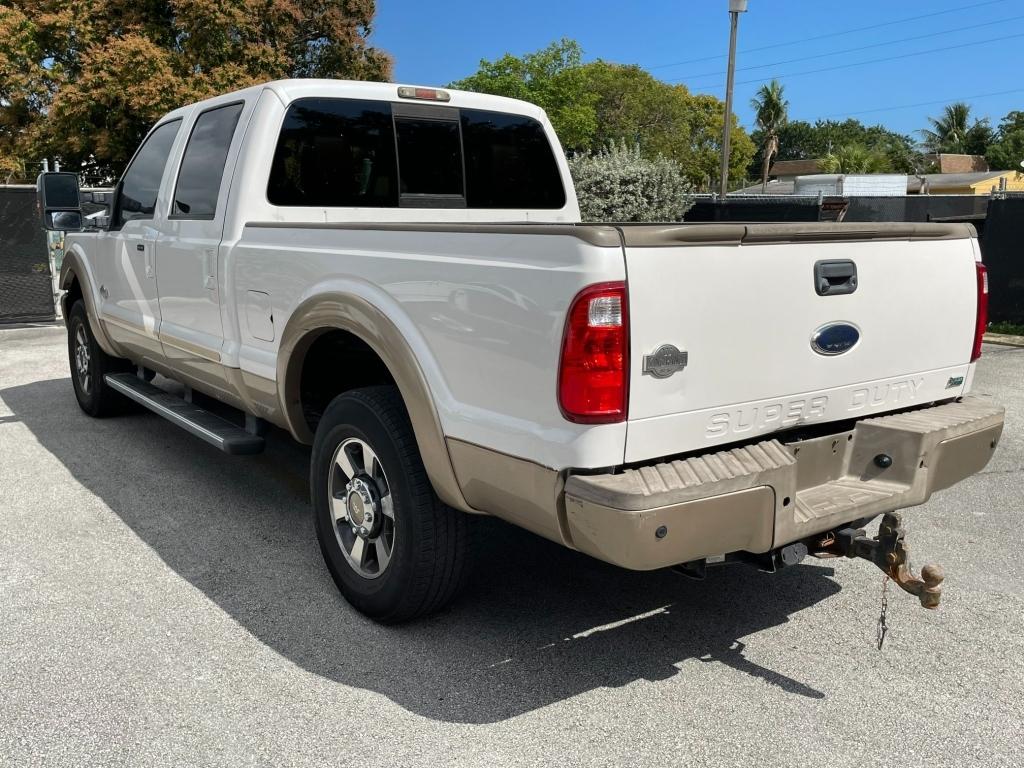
539 624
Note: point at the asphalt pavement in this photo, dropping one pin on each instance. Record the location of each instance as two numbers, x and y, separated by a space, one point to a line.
162 604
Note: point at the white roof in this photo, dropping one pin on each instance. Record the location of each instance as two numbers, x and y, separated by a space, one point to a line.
304 88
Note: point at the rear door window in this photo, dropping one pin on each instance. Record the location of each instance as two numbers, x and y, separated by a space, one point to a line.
335 152
202 168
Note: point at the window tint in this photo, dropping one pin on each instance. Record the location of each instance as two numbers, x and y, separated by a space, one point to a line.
141 181
202 167
429 158
335 152
509 163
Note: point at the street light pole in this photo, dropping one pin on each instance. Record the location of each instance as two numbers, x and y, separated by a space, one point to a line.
736 7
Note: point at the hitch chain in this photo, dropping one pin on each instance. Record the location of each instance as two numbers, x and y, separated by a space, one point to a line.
883 627
890 553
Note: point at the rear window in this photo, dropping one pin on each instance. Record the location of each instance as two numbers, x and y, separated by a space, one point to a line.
429 158
335 152
349 153
509 163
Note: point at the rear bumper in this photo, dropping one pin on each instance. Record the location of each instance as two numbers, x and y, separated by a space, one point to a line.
764 496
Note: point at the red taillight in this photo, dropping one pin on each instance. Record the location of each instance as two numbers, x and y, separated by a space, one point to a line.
981 322
593 376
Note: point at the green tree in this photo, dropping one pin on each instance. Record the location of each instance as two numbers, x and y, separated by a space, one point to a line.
801 140
663 119
954 132
856 158
1007 152
82 80
1013 121
595 104
551 78
798 140
771 113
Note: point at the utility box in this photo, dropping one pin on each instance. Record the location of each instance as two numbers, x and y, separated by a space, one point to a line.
852 185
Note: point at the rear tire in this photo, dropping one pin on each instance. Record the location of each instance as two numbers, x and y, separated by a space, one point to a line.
89 364
395 551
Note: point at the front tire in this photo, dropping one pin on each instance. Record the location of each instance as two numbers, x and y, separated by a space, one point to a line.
89 364
394 549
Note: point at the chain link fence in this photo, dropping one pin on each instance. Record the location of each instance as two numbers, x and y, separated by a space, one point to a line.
26 284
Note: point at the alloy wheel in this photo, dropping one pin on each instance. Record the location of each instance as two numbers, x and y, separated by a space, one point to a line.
362 507
82 359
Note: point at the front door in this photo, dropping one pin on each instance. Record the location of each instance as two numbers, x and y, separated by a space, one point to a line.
187 247
127 268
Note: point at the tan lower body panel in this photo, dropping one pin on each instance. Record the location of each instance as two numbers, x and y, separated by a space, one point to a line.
197 367
513 489
131 340
691 530
767 495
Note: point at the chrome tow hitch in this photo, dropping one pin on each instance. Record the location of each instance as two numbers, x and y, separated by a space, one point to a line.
888 551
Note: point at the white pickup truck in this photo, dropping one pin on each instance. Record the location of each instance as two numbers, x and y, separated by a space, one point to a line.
399 276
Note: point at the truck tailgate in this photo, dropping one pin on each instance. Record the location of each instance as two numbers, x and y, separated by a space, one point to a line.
741 301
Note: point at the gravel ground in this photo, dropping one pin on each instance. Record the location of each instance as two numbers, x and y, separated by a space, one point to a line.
162 604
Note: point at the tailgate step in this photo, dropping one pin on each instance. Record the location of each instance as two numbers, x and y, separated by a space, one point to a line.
839 498
206 426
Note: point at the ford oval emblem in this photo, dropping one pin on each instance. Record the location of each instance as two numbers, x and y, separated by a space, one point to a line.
835 339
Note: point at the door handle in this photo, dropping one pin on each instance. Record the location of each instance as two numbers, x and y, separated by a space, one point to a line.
209 275
835 278
141 248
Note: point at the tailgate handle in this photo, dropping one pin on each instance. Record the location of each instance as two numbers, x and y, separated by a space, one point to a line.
834 278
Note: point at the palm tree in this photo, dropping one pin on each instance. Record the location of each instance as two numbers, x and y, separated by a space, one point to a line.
953 131
770 106
856 158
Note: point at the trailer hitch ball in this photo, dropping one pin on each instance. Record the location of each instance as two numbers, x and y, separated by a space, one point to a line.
890 553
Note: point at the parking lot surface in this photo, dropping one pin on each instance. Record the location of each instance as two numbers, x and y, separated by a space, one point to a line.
164 604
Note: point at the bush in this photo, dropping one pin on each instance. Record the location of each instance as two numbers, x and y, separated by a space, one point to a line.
620 184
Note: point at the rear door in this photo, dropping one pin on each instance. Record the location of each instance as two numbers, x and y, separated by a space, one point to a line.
188 244
769 347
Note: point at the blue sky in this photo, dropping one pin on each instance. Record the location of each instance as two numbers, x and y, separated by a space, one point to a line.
956 56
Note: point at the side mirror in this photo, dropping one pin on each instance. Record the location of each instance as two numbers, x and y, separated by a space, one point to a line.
59 201
63 221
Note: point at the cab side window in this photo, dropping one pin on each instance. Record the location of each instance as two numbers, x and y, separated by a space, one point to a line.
141 182
202 167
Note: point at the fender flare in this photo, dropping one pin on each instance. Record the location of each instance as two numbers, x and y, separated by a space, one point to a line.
335 310
73 268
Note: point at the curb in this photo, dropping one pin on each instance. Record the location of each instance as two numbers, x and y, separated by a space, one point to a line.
32 331
1004 339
